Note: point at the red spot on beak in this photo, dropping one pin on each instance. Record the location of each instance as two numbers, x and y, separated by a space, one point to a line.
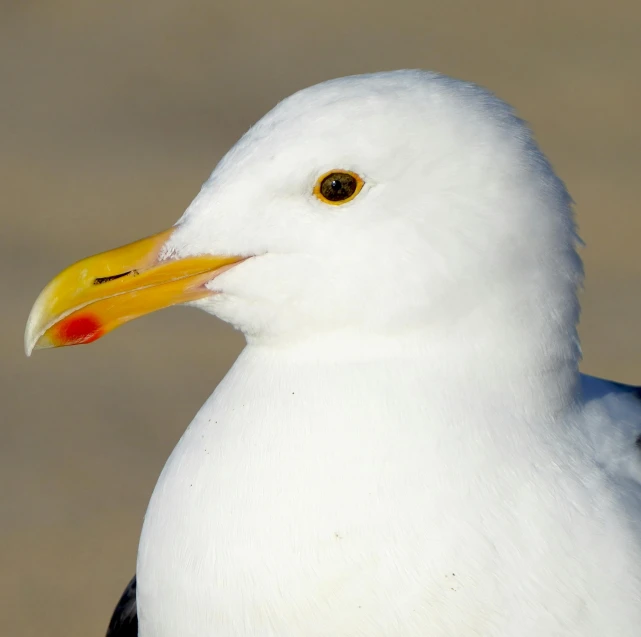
79 329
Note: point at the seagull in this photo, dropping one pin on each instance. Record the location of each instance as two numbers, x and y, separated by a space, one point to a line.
406 445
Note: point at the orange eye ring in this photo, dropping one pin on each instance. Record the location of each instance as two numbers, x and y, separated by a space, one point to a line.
337 187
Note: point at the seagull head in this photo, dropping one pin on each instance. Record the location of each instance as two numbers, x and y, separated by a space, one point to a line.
392 202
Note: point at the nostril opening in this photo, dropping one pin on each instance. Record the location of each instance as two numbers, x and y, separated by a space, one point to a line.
105 279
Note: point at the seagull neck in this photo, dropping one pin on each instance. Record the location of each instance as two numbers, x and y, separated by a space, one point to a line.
539 379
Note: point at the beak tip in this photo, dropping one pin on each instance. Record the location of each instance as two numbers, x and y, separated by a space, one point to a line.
30 341
34 329
28 347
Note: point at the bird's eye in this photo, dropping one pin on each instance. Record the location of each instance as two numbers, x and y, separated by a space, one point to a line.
338 187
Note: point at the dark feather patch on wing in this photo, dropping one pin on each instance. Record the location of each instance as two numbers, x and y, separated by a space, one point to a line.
633 390
124 621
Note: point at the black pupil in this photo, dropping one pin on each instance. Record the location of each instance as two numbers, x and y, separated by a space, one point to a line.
338 186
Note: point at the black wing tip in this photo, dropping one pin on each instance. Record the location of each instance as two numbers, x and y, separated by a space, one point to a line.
124 621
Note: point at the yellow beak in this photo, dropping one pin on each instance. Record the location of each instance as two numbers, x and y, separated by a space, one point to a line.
96 295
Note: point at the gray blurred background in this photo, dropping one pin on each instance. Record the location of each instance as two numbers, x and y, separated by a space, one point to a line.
111 116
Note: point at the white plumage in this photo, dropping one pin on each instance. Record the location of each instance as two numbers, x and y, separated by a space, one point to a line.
405 447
